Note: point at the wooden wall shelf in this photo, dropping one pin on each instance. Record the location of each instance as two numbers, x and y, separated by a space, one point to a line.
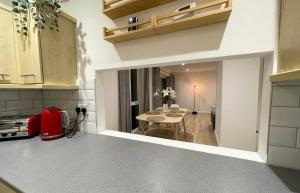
205 14
119 8
147 30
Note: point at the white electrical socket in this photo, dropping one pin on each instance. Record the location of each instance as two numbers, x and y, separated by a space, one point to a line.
82 105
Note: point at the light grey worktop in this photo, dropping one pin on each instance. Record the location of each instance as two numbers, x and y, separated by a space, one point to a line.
96 163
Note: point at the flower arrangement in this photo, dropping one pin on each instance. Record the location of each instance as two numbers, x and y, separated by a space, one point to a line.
167 94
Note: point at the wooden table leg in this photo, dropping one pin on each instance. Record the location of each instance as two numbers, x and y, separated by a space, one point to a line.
178 130
143 127
184 127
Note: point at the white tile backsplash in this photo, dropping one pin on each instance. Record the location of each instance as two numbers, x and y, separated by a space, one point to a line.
9 113
288 83
91 117
284 137
2 106
298 139
31 111
90 105
84 95
90 127
87 84
285 117
286 96
63 104
9 95
280 136
57 94
18 105
31 94
284 157
15 102
37 104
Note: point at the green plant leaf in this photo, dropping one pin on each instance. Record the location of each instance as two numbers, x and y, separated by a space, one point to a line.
15 3
16 10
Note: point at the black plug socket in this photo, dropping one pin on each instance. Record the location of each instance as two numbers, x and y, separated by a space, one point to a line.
83 110
77 110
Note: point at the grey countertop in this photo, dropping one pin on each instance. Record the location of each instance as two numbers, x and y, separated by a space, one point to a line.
97 163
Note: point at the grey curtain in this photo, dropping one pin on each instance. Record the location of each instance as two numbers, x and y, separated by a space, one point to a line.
171 81
156 84
143 90
125 122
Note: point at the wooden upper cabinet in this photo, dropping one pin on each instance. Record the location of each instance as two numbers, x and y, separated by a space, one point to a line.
58 51
28 56
8 64
289 40
48 57
40 59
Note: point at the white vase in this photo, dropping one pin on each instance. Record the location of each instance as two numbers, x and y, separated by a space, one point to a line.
165 108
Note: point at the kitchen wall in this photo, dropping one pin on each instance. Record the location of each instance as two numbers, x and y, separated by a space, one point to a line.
69 100
107 100
264 109
15 102
284 136
219 101
205 92
240 103
242 34
251 29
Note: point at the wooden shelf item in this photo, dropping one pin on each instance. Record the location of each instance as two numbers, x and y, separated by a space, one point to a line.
204 14
121 33
119 8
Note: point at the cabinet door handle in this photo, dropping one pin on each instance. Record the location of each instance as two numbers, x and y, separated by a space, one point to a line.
3 76
28 75
25 75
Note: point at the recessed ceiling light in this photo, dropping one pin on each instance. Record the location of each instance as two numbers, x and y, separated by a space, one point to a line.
187 69
183 64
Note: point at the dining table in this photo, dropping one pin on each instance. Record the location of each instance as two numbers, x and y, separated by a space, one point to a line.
172 117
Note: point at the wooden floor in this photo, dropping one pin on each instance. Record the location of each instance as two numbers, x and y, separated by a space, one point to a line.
199 130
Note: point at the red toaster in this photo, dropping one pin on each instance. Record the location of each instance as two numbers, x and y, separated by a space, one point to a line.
53 123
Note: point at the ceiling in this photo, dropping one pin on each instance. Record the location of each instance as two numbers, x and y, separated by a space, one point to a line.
202 67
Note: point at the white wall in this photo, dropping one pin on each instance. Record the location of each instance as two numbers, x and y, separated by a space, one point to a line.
245 32
205 93
240 99
219 101
265 107
107 100
252 28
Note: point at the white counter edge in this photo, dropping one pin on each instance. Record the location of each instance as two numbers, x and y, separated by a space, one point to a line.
246 155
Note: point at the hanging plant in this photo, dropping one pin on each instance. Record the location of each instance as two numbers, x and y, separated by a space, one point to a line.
43 12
